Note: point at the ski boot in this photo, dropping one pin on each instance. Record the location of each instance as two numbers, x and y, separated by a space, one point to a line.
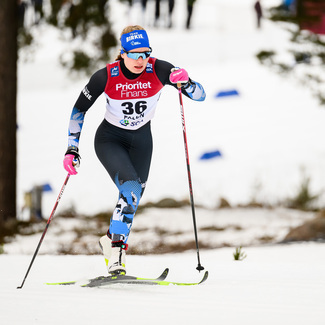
116 263
105 244
114 254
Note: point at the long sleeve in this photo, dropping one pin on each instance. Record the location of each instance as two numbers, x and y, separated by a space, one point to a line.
86 99
75 126
193 89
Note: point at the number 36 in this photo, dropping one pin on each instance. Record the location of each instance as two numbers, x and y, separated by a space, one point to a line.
139 107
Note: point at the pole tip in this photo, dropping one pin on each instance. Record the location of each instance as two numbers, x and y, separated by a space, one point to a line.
200 268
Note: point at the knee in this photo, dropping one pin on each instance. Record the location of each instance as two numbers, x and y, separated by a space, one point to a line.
132 192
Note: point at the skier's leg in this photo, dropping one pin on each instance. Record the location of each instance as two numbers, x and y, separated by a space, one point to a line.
126 155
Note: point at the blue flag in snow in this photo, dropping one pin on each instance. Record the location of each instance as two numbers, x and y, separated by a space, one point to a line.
211 154
227 93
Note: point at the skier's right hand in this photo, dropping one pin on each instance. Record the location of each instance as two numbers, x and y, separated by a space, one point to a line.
179 76
71 160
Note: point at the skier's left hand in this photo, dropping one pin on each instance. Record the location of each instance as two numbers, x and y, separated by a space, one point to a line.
178 75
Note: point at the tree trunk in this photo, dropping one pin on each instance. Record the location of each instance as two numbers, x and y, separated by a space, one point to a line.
8 90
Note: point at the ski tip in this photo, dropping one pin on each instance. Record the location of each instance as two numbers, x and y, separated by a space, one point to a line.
205 276
163 275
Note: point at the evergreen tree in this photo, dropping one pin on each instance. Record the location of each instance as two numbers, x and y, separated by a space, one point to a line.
8 90
80 19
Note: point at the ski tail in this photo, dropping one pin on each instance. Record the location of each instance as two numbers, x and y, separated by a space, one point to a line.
61 283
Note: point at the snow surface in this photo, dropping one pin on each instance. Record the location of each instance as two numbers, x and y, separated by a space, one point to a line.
273 285
266 135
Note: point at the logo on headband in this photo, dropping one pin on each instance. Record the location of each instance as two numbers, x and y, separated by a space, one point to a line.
132 37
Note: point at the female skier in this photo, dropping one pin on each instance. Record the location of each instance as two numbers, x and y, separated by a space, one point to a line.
123 142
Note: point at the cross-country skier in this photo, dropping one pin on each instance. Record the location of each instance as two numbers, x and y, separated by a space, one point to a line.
123 142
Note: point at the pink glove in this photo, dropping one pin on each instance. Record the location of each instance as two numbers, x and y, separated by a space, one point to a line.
178 76
68 164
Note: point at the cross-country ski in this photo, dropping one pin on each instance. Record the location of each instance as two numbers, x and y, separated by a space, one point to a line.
102 281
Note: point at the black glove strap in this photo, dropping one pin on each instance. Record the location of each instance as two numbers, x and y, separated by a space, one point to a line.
73 151
188 84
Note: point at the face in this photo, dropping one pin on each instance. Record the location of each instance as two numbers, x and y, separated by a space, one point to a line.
136 66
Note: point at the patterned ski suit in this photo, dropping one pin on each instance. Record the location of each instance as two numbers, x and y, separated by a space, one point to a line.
123 141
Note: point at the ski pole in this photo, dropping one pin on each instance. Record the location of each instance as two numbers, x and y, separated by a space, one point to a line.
45 230
199 266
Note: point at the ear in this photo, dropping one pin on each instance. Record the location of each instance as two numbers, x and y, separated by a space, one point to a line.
123 55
